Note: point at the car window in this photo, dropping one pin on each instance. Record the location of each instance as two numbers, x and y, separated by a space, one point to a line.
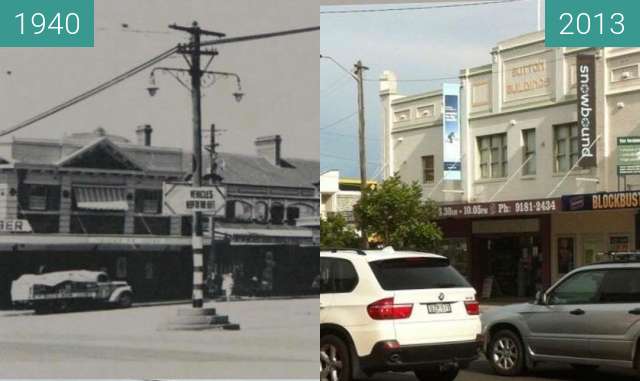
621 286
417 274
580 288
326 283
344 276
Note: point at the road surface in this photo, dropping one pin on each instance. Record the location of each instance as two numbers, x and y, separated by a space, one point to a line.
480 370
278 339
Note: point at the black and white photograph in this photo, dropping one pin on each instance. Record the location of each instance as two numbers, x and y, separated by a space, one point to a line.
159 196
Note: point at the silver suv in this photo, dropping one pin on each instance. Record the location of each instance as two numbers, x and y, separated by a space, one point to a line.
590 317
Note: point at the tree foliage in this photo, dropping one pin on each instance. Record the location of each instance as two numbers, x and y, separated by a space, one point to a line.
395 212
336 233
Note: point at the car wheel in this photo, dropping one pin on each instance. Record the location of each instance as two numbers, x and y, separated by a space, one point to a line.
125 299
436 375
505 353
334 359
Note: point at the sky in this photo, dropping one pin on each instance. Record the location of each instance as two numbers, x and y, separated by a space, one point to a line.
420 44
279 76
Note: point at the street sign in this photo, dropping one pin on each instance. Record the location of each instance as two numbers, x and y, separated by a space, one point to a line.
184 199
629 155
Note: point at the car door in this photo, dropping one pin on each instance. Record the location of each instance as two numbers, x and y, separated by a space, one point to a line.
326 289
561 326
613 321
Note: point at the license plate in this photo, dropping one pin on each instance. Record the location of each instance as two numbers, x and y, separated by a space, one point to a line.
439 308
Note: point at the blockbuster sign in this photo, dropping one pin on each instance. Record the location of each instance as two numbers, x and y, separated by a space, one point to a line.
451 131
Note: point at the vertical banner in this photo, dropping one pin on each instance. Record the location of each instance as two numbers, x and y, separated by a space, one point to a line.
451 131
586 91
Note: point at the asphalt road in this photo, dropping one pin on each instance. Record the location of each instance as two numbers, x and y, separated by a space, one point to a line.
480 370
277 339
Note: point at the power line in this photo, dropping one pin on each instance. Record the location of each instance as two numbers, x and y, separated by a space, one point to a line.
421 8
144 66
348 136
338 121
346 158
90 93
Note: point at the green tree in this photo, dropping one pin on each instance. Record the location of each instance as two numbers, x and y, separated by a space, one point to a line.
336 233
396 214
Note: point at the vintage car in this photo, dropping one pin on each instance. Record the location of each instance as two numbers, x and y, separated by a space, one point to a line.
65 290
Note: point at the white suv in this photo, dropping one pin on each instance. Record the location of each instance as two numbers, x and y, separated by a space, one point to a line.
395 311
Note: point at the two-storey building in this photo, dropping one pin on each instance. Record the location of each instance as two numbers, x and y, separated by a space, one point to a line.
525 210
94 201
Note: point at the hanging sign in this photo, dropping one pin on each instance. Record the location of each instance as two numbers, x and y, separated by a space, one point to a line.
586 87
451 131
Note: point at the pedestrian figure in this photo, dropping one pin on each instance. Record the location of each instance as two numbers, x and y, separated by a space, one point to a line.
227 285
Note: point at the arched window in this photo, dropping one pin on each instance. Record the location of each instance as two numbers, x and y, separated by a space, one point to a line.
277 213
243 211
261 213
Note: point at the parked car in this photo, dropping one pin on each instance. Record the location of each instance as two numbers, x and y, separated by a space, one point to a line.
395 311
590 317
65 290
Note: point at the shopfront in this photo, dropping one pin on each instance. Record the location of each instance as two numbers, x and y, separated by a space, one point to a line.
503 248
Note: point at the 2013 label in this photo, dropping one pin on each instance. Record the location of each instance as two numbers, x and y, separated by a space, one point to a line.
582 23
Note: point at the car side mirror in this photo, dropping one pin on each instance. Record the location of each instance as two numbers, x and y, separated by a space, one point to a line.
541 298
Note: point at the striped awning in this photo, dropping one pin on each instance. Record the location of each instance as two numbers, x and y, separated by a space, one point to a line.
101 198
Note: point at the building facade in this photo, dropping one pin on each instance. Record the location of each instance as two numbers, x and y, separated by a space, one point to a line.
339 194
94 201
518 219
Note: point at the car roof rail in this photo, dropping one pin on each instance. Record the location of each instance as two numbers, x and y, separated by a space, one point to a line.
622 257
348 249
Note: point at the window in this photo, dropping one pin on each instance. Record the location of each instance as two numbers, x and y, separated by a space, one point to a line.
417 273
293 213
493 156
337 276
621 286
529 151
428 173
277 214
566 147
40 197
148 201
581 288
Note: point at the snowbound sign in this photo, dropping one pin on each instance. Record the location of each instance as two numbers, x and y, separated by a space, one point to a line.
183 199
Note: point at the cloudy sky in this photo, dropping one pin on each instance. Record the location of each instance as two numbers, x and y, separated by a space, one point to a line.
422 44
279 76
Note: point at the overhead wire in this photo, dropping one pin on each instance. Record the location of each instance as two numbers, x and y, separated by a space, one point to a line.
420 8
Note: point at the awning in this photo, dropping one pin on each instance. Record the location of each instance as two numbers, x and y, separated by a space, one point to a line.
101 198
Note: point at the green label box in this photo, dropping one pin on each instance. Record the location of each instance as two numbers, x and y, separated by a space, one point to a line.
46 23
592 23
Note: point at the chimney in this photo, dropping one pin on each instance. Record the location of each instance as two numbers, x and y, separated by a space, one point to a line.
143 134
268 147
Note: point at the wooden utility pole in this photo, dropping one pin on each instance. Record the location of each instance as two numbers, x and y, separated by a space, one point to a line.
359 68
194 52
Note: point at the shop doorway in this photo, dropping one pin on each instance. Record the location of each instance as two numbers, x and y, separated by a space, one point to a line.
510 265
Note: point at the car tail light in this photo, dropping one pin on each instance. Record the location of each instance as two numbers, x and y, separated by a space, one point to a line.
473 307
385 309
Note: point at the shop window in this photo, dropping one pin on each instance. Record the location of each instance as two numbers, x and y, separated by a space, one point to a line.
40 197
566 147
148 201
152 225
42 223
428 172
97 224
456 250
529 151
277 214
493 156
566 258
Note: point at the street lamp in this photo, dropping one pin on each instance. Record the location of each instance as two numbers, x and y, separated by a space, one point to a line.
153 88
